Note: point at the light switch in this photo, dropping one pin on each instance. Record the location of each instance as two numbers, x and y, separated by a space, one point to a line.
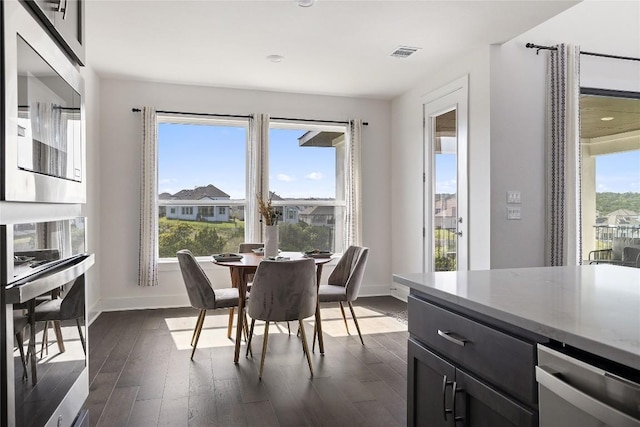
513 212
513 197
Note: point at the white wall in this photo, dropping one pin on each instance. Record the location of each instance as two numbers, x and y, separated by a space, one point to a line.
518 113
407 165
120 138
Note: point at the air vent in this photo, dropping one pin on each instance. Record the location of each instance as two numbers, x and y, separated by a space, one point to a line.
404 51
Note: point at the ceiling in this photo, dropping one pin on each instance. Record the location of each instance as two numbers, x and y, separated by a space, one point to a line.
623 112
332 48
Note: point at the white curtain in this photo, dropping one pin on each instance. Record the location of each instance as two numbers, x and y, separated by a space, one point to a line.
148 262
563 208
353 218
256 178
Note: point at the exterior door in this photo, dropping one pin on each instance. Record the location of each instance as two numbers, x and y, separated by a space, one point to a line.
445 179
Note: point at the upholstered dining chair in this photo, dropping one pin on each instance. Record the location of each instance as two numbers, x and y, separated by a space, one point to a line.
202 296
69 307
344 283
283 291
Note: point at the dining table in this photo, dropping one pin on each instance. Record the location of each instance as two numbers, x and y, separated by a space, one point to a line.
242 268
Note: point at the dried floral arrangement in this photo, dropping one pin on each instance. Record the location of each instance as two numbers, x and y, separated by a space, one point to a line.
268 212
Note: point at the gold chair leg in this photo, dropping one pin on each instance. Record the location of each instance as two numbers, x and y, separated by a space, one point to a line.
315 333
245 327
264 347
355 320
253 323
58 331
305 347
230 326
200 319
344 317
195 344
45 339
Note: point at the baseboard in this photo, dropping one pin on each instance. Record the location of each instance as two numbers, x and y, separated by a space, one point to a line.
146 302
367 290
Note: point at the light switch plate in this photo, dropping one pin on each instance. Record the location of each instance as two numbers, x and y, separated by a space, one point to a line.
513 212
513 197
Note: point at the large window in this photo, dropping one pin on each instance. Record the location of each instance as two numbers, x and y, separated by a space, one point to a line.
203 176
307 183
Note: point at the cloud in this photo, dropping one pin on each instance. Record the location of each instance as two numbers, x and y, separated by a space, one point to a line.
314 176
284 177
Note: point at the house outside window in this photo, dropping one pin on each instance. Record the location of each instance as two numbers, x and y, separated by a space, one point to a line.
203 175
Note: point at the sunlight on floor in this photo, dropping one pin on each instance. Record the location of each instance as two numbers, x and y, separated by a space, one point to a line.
214 331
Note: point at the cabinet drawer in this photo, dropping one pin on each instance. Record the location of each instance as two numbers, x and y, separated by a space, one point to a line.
501 359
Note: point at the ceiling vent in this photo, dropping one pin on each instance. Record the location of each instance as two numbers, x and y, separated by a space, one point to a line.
404 51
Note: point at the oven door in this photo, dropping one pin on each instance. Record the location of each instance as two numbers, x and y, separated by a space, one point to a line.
572 392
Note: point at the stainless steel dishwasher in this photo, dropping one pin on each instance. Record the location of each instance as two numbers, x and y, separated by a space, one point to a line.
574 392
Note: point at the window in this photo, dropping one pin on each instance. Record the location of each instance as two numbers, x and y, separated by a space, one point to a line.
201 167
307 184
203 178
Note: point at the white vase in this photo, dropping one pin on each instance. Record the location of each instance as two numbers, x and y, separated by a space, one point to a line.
271 240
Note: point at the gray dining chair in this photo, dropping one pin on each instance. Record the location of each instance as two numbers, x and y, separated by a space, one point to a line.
283 291
344 283
201 294
69 307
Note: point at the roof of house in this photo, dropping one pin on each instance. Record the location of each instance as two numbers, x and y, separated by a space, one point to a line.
318 210
165 196
198 193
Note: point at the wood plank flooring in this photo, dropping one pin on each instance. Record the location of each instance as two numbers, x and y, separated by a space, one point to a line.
140 373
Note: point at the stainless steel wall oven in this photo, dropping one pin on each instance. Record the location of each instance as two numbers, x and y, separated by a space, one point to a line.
43 148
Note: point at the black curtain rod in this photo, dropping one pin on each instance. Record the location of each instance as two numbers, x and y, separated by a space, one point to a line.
337 122
238 116
601 55
233 116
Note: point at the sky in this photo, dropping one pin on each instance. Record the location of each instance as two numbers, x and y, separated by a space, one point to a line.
618 172
191 155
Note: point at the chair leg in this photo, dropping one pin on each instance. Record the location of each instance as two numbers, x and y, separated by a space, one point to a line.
253 323
45 339
200 319
264 347
315 333
289 328
25 376
58 331
355 320
84 344
195 343
344 317
305 347
230 326
245 327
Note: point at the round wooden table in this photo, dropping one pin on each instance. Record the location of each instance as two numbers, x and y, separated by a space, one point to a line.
240 271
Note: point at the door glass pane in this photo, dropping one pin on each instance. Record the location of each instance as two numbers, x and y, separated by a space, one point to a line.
610 168
445 215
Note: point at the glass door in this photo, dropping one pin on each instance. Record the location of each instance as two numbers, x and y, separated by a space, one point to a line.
445 211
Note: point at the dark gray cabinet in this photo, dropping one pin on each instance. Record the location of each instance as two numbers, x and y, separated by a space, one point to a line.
464 373
64 19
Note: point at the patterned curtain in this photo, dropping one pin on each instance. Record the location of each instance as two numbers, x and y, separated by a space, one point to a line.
258 170
148 262
563 244
353 220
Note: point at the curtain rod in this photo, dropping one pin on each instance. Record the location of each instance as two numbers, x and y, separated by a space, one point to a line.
234 116
238 116
601 55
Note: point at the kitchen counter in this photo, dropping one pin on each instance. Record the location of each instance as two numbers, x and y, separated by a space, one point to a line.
595 308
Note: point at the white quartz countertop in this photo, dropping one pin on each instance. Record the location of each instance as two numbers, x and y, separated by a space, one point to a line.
595 308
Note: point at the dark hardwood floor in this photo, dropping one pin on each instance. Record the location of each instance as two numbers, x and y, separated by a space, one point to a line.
140 373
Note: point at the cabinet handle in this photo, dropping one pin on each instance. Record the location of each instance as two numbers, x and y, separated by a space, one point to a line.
64 11
447 336
446 383
455 390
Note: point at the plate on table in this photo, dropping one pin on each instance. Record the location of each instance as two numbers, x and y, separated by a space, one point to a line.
318 254
227 257
258 251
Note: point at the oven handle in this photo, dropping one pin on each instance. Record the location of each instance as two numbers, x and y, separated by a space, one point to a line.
597 409
47 282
